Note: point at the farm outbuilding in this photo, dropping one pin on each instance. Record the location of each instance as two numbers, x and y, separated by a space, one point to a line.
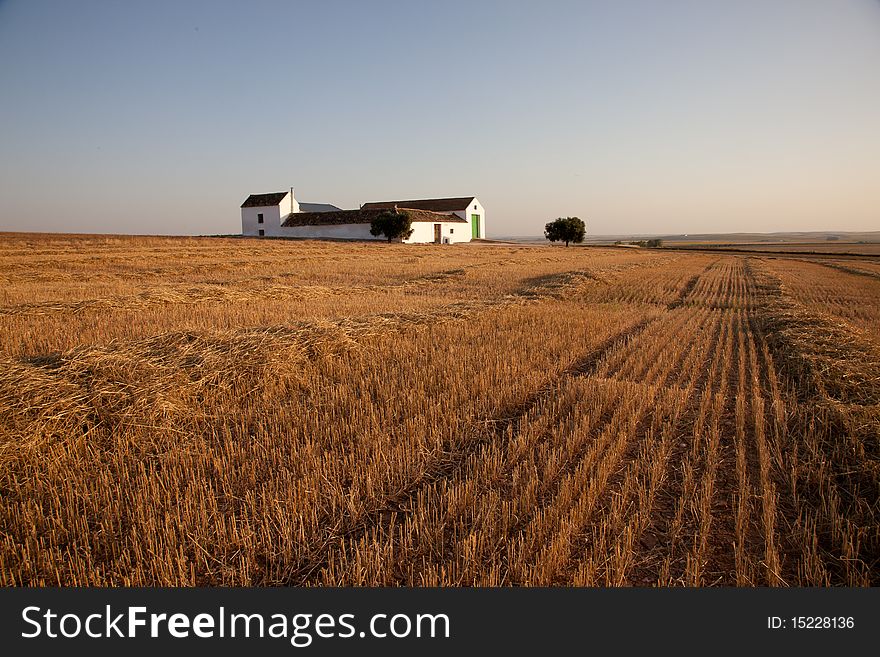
464 207
440 221
355 225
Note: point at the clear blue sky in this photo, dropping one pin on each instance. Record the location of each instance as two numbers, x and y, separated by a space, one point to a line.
638 116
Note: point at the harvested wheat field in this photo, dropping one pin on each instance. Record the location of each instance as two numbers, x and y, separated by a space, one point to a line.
252 412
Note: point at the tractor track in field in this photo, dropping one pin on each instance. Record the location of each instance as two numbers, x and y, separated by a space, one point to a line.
847 270
650 546
689 286
826 366
504 427
645 425
585 368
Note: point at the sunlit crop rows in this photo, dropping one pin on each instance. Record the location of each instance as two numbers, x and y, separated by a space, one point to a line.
376 414
848 291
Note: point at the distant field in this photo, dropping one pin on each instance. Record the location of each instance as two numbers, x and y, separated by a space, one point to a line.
840 243
872 248
240 412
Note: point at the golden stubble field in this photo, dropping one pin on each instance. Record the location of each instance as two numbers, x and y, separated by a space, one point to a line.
241 412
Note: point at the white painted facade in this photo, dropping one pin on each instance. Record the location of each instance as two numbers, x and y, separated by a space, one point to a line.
450 233
272 216
333 232
423 232
475 208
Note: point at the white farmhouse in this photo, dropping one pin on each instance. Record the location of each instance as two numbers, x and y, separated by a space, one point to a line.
279 214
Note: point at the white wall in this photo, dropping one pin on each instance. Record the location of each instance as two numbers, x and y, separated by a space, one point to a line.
423 232
455 232
289 204
466 214
271 220
338 231
272 215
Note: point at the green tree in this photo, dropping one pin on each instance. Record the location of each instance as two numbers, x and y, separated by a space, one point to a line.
394 225
565 229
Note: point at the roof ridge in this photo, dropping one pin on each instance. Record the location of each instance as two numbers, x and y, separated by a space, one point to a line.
446 203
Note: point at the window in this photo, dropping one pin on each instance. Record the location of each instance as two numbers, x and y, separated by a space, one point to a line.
451 230
262 232
475 207
260 218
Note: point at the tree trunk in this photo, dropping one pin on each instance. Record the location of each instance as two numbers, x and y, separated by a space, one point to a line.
566 244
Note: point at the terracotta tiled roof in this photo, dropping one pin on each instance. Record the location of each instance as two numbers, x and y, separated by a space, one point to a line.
263 200
363 216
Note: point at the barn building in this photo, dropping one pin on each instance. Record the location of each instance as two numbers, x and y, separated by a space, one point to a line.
464 207
440 221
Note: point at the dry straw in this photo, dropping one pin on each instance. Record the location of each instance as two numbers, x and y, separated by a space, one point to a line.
243 412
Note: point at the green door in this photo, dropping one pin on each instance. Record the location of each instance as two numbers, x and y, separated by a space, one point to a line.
475 226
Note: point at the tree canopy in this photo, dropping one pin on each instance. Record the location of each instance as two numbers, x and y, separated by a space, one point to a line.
565 229
394 225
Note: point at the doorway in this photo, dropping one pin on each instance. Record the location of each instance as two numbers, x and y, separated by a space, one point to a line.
436 233
475 226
